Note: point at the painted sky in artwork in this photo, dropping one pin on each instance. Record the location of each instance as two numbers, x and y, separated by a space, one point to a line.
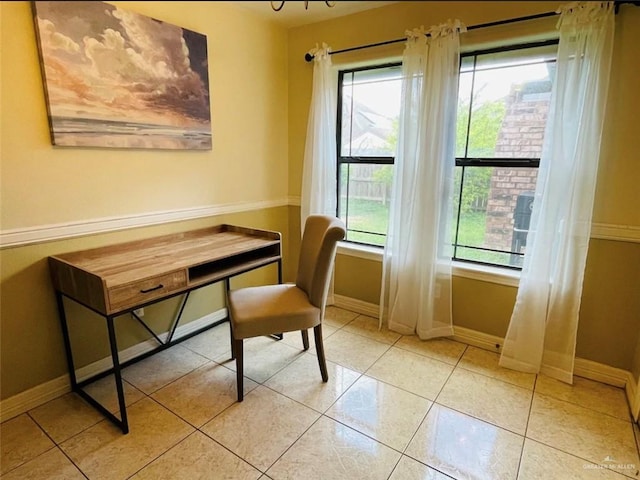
105 63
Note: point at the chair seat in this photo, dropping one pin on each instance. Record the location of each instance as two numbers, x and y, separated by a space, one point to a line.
256 311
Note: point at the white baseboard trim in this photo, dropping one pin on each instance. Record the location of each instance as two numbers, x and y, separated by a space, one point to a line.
46 233
34 397
600 372
41 394
588 369
358 306
632 390
477 339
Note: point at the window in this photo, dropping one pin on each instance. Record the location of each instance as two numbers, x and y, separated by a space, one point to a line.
503 102
367 128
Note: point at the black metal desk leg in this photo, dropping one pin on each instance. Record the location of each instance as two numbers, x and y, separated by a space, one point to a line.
279 271
67 341
118 377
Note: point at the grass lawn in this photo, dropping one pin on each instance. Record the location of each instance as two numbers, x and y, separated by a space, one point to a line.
371 216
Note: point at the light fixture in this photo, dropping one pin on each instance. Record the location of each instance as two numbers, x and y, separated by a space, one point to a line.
277 7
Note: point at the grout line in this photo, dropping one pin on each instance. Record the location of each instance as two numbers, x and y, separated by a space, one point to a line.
635 431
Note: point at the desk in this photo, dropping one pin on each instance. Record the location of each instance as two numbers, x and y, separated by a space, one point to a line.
118 279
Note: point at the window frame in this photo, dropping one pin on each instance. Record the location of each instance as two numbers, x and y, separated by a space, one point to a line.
463 162
489 162
350 159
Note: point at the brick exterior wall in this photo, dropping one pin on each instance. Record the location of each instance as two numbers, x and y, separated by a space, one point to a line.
521 136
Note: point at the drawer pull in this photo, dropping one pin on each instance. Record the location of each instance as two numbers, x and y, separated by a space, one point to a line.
147 290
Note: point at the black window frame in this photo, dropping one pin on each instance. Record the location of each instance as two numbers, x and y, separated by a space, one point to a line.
463 162
356 160
466 161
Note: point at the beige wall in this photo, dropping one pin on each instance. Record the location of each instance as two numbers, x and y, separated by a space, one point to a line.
610 314
44 186
248 162
260 90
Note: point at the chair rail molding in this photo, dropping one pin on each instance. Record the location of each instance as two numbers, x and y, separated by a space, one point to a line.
45 233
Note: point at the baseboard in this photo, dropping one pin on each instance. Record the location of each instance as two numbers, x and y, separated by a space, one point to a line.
632 390
588 369
41 394
477 339
357 306
600 372
34 397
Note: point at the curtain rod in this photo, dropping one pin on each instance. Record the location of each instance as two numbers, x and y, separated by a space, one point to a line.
308 57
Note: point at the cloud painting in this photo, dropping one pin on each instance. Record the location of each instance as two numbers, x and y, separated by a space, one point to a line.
115 78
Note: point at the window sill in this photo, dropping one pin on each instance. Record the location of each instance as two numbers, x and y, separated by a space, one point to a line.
483 273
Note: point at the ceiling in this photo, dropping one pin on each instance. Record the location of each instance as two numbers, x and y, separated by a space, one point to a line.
293 13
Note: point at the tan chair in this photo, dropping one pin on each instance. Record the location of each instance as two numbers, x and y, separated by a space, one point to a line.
273 309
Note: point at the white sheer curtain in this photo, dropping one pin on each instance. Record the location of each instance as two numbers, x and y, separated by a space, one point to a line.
319 168
417 254
542 332
319 190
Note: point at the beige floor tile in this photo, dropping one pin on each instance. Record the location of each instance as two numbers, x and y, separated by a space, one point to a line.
264 357
262 427
368 327
330 450
442 349
409 469
465 447
68 415
294 339
301 381
488 399
51 465
587 393
202 394
410 371
21 440
338 317
160 369
353 351
197 457
213 343
540 462
486 362
104 452
65 416
381 411
596 437
104 391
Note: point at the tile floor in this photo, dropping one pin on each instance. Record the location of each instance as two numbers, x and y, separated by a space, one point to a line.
394 408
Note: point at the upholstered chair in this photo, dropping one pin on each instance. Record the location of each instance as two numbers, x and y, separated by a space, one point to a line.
272 309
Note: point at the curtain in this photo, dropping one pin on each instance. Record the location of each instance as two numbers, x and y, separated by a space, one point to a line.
319 167
417 253
319 189
542 332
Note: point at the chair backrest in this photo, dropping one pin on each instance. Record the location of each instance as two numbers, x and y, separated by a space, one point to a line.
317 253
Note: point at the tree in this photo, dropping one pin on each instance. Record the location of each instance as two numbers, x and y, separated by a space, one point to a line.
483 135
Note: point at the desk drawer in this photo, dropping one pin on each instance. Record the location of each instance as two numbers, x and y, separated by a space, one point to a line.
133 294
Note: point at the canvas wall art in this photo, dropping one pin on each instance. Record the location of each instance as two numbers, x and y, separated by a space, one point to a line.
115 78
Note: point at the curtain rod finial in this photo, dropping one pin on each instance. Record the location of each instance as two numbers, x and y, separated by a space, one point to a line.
308 57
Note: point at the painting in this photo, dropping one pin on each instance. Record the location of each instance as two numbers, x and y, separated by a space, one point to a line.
117 79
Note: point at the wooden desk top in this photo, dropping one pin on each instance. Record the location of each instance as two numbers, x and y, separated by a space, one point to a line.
121 277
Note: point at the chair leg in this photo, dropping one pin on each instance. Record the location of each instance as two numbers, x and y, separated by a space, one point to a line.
305 338
237 347
233 347
317 332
